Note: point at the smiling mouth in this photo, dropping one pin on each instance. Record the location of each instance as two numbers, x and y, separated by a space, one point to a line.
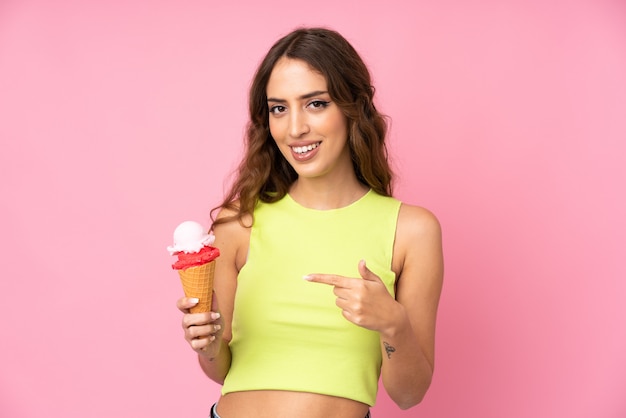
304 150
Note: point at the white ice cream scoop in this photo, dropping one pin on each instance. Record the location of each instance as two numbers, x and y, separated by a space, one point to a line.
190 237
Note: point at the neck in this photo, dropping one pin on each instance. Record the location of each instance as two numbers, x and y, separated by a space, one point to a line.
322 195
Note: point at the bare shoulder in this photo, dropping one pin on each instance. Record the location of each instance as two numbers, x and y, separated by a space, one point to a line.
232 237
418 240
416 222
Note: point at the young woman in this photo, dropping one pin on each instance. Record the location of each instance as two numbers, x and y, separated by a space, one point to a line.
325 282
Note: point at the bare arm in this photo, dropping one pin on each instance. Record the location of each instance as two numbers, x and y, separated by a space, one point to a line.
408 340
214 357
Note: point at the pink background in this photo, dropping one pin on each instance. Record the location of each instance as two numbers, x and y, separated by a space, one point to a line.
118 119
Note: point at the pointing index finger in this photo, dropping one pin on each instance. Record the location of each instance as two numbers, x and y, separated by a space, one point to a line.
331 279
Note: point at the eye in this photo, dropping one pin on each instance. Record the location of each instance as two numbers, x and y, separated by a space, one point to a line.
277 110
318 104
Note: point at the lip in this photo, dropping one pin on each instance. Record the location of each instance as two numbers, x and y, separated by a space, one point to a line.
305 156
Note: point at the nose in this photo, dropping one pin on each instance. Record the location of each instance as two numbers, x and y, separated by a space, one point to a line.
298 124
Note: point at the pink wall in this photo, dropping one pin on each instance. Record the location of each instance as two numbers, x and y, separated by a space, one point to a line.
120 119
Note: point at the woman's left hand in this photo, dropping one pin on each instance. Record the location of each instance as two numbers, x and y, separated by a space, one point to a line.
364 302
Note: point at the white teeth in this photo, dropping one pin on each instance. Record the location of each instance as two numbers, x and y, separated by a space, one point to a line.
302 150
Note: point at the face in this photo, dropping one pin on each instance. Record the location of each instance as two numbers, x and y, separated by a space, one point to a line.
310 130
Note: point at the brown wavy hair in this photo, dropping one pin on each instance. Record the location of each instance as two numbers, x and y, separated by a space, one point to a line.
264 174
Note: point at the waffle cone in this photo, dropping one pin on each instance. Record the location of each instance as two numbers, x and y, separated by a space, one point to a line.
198 283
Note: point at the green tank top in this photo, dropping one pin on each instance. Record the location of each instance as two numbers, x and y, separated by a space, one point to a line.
288 334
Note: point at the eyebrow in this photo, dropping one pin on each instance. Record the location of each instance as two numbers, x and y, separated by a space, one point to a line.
304 96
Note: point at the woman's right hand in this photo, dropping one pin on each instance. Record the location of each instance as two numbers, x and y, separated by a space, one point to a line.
203 331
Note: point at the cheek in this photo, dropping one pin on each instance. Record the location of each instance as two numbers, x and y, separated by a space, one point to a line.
338 125
275 129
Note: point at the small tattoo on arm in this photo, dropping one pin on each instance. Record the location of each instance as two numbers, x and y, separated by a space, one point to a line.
389 349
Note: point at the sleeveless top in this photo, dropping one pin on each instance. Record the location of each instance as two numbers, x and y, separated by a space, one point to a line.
288 333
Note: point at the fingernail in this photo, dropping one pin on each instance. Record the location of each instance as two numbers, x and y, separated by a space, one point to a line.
215 315
194 300
307 277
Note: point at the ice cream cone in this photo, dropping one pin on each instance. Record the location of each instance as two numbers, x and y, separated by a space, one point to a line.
198 283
